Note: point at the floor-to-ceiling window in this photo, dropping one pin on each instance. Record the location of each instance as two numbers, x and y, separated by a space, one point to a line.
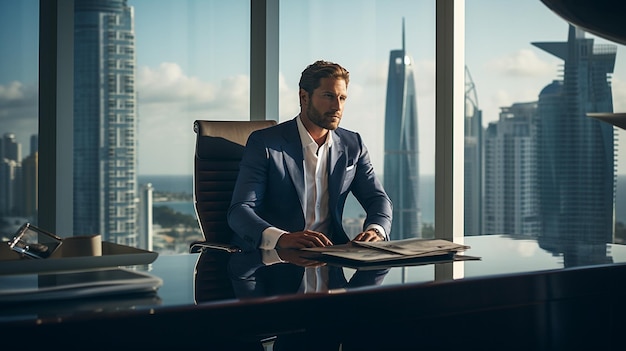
191 60
140 73
19 45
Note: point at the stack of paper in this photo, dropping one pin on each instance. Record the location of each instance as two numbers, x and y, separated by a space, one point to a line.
381 251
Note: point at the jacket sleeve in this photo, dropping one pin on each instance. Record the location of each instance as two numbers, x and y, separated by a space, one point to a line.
249 193
370 193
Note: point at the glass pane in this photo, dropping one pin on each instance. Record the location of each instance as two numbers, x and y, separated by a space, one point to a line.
372 39
19 67
144 71
548 169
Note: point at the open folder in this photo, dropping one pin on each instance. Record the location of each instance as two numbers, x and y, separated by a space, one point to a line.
396 251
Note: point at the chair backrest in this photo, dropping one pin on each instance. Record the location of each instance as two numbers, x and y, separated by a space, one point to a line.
219 148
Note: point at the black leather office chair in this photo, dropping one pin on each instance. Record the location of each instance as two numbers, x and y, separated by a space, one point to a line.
219 148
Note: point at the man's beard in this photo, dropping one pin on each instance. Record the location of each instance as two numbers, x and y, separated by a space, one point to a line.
321 120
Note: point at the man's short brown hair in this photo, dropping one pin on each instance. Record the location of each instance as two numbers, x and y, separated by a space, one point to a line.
311 76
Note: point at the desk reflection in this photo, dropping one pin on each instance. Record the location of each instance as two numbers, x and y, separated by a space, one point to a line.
248 275
222 276
251 277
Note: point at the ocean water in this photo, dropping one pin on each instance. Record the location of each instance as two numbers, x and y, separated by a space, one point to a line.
184 184
168 183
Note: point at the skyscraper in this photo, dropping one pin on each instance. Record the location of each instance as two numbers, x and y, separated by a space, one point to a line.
510 202
401 169
576 167
473 168
10 175
105 121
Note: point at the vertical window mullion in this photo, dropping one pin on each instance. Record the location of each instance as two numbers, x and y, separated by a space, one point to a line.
56 67
449 128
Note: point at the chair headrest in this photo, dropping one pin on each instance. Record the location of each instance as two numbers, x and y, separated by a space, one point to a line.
225 139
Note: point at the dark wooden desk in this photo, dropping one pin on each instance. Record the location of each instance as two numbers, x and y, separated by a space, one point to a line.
523 294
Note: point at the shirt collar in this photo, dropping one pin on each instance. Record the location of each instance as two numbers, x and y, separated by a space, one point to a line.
307 139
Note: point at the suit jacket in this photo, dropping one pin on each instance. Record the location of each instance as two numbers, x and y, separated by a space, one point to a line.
270 187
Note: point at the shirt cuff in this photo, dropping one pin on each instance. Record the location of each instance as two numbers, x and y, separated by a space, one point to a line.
270 257
270 237
379 228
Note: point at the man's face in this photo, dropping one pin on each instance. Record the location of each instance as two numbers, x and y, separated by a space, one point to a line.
325 106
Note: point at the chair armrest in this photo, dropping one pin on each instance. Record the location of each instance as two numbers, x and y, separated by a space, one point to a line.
201 246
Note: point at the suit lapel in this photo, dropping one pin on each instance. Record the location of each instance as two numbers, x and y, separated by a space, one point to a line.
292 151
336 169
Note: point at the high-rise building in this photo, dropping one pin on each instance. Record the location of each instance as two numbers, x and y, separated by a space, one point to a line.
30 193
34 144
401 169
10 175
145 217
105 121
576 167
473 168
510 201
11 149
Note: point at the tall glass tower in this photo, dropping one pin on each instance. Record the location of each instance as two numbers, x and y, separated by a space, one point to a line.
401 177
105 121
473 176
576 167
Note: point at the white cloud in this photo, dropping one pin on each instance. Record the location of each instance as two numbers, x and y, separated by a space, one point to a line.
522 63
14 91
169 103
18 111
168 83
289 105
374 73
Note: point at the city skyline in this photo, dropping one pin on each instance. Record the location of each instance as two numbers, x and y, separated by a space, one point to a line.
179 81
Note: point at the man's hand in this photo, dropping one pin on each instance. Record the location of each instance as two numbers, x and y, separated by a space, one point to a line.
369 235
295 257
299 240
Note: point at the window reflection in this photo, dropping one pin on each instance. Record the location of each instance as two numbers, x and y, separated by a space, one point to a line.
548 171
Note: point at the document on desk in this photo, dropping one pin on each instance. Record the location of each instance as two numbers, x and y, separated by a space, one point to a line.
391 250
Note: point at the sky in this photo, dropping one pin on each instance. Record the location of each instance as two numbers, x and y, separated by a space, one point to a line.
193 63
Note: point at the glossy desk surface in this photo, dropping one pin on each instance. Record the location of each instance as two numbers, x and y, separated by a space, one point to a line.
531 283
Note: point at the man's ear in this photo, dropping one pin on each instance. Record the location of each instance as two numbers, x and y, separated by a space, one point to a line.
304 97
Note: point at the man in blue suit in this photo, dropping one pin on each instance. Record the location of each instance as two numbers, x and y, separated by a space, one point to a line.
294 177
